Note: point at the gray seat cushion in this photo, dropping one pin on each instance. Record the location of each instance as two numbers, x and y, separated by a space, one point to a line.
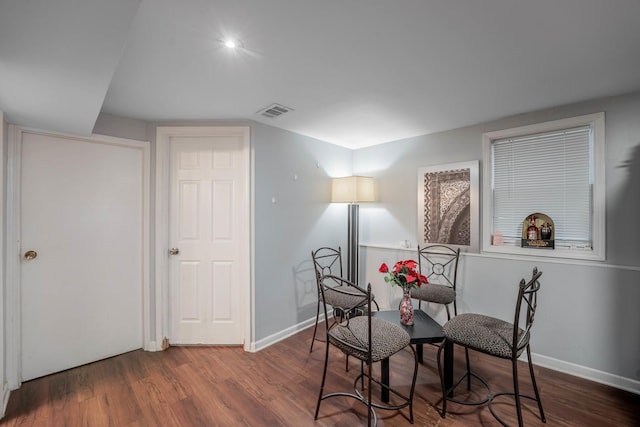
351 338
433 292
345 297
484 333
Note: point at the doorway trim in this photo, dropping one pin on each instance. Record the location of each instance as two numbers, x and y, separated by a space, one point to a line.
162 185
13 344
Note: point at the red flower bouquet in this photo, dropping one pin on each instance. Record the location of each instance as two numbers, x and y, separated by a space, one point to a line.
404 274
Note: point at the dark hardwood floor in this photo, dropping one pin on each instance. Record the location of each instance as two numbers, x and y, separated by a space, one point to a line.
278 386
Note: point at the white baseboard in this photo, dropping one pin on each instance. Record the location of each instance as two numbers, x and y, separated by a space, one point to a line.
601 377
153 346
5 398
595 375
272 339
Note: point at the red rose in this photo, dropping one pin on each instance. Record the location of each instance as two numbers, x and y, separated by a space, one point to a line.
397 267
383 268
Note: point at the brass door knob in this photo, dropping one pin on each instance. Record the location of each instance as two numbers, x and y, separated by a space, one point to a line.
174 251
29 255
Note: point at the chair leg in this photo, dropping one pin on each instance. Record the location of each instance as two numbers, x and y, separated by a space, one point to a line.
315 328
441 374
466 355
516 390
447 393
324 377
369 407
466 350
413 384
535 386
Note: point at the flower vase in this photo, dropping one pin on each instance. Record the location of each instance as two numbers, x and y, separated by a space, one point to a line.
406 308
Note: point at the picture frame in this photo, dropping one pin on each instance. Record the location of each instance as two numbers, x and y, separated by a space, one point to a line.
448 204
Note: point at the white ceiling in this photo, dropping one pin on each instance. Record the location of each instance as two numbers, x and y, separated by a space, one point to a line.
356 72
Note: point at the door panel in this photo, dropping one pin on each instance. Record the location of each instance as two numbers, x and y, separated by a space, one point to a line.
82 212
206 178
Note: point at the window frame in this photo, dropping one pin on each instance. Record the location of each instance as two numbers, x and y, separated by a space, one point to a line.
597 253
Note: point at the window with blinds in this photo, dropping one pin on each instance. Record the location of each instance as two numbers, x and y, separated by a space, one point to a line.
552 168
548 173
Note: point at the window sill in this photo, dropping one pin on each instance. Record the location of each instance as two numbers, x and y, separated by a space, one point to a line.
560 253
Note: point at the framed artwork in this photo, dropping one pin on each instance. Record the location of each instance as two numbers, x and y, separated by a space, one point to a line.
448 204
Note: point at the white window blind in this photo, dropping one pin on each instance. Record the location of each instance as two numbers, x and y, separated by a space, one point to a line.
551 173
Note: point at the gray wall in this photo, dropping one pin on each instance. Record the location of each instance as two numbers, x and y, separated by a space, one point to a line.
296 171
588 313
395 165
4 386
588 321
300 220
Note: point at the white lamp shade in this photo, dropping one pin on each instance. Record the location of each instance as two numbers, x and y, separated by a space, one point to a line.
353 189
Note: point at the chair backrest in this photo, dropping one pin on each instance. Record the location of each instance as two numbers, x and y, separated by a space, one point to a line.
327 261
527 303
354 302
439 263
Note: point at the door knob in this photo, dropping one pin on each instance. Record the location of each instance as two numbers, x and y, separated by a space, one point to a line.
174 251
29 255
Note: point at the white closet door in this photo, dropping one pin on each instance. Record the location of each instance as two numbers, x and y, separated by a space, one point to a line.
208 181
82 214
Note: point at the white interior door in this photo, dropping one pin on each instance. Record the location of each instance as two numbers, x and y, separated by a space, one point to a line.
206 233
82 213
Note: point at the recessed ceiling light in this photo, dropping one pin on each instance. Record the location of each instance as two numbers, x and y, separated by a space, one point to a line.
232 43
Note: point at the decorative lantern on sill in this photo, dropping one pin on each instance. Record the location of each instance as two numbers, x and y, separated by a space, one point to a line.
538 231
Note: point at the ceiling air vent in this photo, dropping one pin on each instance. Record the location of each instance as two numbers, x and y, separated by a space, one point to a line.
274 110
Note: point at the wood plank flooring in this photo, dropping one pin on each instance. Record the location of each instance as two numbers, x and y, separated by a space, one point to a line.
278 386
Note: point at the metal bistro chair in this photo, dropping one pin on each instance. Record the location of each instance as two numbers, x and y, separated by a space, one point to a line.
328 261
439 263
367 338
498 338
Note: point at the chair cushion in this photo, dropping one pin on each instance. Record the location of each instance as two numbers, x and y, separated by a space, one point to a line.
484 333
433 292
352 298
351 338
